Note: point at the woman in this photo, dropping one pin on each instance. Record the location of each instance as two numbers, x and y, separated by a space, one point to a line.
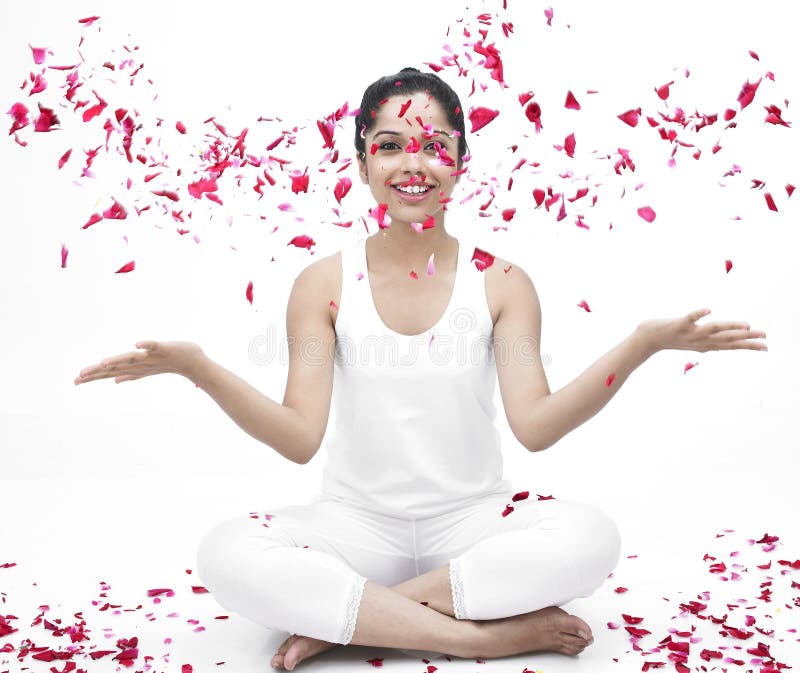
411 542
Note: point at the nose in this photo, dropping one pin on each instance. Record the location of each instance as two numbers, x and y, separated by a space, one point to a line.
414 164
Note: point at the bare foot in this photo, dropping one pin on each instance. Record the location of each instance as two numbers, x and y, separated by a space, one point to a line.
550 629
297 648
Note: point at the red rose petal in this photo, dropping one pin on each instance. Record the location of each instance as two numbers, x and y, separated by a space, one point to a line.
249 292
631 117
747 93
179 125
572 103
300 182
45 121
125 268
342 188
64 254
585 306
64 158
569 145
413 145
302 241
770 202
610 380
480 117
728 265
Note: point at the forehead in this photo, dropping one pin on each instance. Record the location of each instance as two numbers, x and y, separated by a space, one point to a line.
414 105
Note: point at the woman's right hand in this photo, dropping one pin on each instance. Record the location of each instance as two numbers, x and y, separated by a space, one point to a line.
157 357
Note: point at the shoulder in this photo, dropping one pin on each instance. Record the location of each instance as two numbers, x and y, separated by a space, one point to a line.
322 279
507 284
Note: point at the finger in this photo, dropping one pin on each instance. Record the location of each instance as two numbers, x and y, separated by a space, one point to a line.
130 377
694 316
149 345
115 361
723 326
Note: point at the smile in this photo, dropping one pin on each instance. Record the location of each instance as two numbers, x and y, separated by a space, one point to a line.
413 189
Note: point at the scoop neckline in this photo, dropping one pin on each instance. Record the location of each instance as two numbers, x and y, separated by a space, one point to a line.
456 280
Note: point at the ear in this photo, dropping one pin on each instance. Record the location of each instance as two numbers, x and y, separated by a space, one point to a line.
362 168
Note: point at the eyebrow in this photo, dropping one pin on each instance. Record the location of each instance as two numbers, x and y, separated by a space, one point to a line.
395 133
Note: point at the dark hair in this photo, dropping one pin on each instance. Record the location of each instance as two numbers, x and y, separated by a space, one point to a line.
409 81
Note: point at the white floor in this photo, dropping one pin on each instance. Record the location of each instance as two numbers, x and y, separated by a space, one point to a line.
119 533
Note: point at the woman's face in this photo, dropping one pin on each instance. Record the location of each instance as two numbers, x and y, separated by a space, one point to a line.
409 165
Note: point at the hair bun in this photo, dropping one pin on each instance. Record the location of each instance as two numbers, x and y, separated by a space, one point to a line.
409 70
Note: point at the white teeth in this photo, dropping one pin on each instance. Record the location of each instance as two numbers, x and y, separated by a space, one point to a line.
416 189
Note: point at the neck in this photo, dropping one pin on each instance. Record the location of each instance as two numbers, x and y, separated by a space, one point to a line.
401 247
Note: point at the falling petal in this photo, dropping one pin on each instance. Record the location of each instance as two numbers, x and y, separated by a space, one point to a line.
548 12
413 145
94 219
64 254
404 107
249 292
534 114
508 214
646 213
39 54
89 20
747 93
130 266
663 90
631 117
302 241
64 158
300 182
431 267
728 265
585 306
689 365
569 145
115 211
480 117
46 120
179 125
610 380
482 259
770 202
571 102
341 188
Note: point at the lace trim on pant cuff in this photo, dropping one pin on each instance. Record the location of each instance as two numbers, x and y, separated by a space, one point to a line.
457 589
352 609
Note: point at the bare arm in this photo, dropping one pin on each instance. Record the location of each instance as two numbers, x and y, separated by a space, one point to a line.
294 428
539 418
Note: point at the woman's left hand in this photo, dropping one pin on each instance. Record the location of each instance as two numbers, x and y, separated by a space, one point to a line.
684 334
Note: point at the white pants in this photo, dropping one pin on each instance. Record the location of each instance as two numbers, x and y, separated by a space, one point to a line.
302 568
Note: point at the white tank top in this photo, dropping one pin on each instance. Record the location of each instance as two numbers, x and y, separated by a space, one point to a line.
414 432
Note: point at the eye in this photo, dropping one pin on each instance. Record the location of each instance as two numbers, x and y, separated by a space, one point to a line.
389 145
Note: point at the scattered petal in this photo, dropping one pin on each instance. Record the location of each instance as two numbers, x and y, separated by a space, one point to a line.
480 117
646 213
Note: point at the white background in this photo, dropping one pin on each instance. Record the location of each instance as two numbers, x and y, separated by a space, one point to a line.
157 462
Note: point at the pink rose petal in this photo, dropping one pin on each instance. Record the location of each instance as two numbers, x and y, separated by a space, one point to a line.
646 213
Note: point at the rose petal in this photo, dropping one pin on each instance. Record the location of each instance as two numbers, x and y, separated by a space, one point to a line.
646 213
125 268
631 117
572 103
480 117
